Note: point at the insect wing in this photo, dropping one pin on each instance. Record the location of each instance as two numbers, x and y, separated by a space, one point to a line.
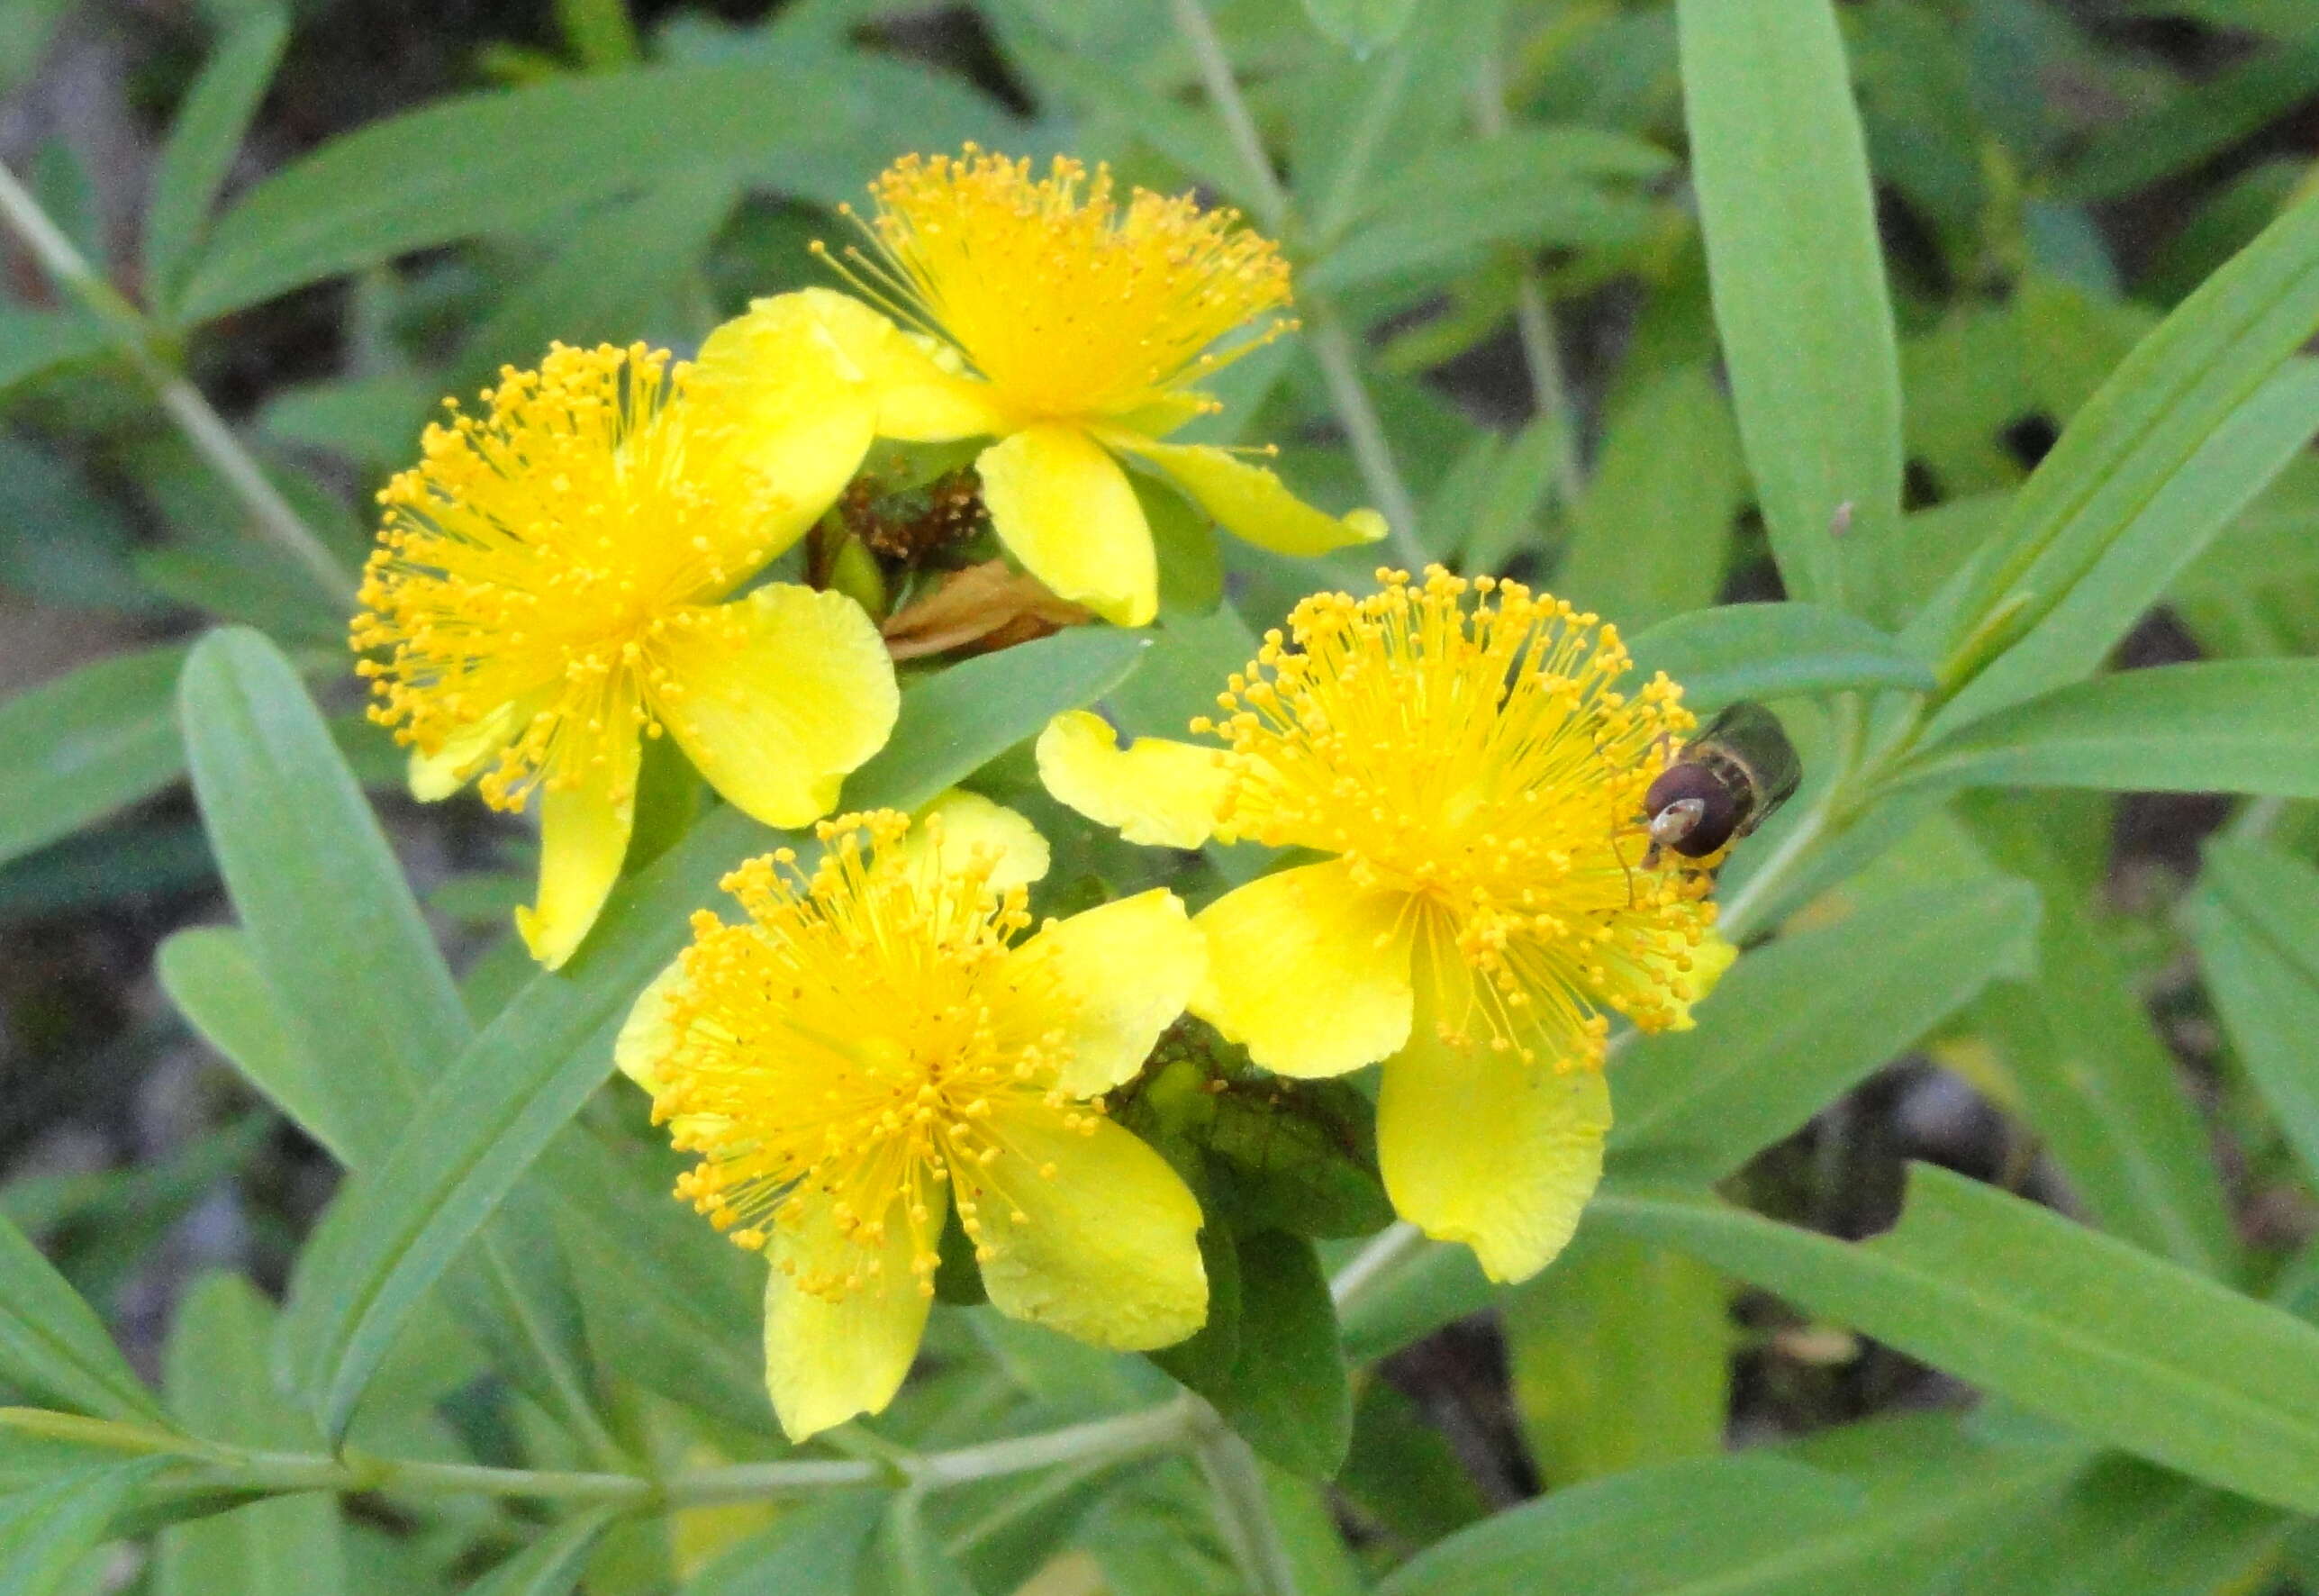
1751 735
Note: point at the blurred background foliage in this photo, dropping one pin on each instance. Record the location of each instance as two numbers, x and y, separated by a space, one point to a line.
333 214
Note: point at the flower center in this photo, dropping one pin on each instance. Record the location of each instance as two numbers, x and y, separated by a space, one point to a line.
1072 305
801 1117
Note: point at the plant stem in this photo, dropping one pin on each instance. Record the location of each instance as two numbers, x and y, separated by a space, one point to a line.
1534 318
1244 1509
1374 1264
136 338
1326 332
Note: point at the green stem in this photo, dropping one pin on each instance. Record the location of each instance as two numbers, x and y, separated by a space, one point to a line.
205 428
1368 1270
1326 332
1244 1509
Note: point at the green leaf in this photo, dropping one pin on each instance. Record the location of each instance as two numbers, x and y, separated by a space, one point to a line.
1437 241
1620 1356
1288 1394
1651 537
60 541
87 745
362 993
2145 425
493 162
2256 920
2198 122
2173 527
1795 1025
33 342
2101 1335
550 1566
2097 1082
1402 1474
1361 26
2124 1525
52 1346
609 274
2229 726
814 1551
1774 651
1750 1525
398 1224
46 1531
204 140
218 1382
1799 291
1440 1285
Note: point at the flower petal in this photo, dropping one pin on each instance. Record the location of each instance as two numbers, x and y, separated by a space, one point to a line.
646 1038
1154 792
806 413
776 696
1090 1234
583 827
826 1361
1063 506
1125 970
958 824
1307 971
1478 1146
1253 503
924 392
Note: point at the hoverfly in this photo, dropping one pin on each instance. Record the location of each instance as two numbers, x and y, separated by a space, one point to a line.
1726 782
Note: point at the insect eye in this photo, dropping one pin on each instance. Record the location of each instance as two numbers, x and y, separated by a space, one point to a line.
1690 810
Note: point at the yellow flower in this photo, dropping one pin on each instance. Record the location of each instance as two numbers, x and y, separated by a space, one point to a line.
875 1047
1478 783
553 583
1073 329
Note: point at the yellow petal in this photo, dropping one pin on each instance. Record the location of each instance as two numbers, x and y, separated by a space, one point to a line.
1253 503
1154 792
924 394
1063 506
776 696
805 412
645 1037
1091 1234
826 1362
1709 961
1478 1146
1125 970
1308 972
465 752
584 827
959 825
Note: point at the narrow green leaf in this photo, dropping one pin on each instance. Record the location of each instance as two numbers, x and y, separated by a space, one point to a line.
218 1382
1437 241
2060 1319
1288 1394
2173 527
491 162
1800 300
815 1551
1795 1025
1775 651
33 342
204 140
1750 1525
211 975
1620 1356
550 1566
86 745
1650 538
362 993
2256 918
608 275
46 1531
2097 1082
2198 122
398 1224
2229 726
60 540
2146 423
53 1347
2124 1525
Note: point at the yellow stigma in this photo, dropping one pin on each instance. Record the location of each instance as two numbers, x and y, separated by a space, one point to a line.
1071 306
1462 744
528 565
861 1038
